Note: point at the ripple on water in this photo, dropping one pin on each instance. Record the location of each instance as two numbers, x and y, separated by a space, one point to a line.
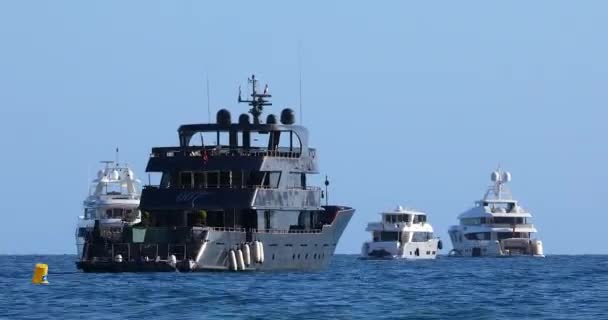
557 287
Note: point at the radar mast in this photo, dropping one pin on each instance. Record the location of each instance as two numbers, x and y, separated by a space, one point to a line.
258 100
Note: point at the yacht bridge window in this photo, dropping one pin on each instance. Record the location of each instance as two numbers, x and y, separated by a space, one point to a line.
222 179
507 235
509 220
396 218
478 236
252 141
386 236
118 213
422 236
419 218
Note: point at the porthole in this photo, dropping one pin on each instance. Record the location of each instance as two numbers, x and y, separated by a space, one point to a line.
298 256
273 256
294 256
306 256
315 256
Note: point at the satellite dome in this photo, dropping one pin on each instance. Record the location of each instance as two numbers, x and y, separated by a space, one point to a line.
128 174
288 116
223 117
506 176
271 119
244 118
495 176
115 175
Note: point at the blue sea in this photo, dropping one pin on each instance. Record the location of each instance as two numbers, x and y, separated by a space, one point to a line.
557 287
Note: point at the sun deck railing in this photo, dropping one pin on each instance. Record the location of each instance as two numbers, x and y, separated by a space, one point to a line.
214 151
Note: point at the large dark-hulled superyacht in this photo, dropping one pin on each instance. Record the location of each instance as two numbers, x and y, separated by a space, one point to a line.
235 199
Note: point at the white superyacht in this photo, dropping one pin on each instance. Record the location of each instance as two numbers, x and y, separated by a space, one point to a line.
496 226
113 200
402 234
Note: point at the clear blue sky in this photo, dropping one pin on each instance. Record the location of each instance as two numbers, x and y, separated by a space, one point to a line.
411 103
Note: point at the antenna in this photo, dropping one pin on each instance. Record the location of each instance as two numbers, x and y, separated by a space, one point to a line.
300 78
208 102
326 194
117 155
258 100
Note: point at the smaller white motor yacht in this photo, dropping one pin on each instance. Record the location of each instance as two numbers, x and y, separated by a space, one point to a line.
496 227
113 201
402 234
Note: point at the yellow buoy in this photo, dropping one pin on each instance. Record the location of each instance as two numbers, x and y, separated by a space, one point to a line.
40 274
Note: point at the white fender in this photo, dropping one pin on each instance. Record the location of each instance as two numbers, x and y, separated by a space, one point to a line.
247 254
172 260
239 259
538 248
261 249
232 260
256 251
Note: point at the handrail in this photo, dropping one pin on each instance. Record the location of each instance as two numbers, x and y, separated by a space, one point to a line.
214 151
505 225
282 231
250 187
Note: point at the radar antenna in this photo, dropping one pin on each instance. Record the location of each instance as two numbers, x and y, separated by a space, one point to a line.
258 100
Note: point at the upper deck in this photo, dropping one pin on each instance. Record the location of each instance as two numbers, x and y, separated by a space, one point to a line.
238 164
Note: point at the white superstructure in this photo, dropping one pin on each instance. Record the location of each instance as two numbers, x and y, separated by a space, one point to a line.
496 226
113 200
402 234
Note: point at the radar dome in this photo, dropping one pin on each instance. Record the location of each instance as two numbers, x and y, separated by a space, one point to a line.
495 176
115 175
506 176
100 174
244 118
127 174
271 119
223 117
288 116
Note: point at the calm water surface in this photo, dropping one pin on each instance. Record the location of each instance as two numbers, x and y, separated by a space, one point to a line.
557 287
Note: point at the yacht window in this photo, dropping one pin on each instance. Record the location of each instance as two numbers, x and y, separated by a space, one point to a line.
213 179
507 235
271 179
165 181
185 179
422 236
478 236
200 180
237 179
389 236
508 220
376 236
419 218
89 213
255 178
225 178
470 221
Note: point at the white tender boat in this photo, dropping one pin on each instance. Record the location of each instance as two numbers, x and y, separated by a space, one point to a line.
402 234
496 226
113 201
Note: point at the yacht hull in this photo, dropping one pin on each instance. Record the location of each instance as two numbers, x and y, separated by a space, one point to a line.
281 251
426 250
510 248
